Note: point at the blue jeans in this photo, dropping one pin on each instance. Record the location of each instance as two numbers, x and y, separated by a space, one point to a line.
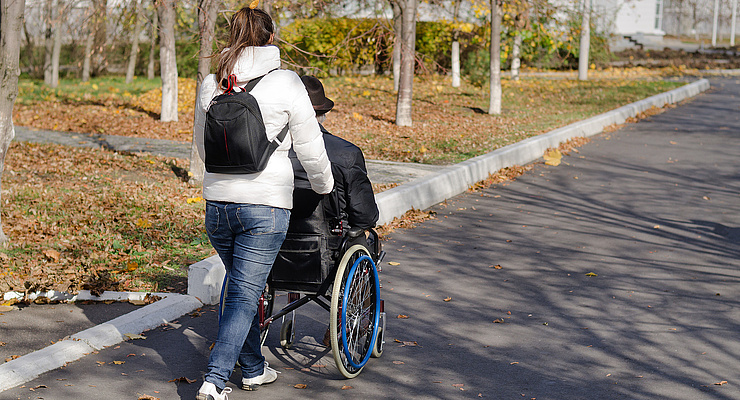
247 238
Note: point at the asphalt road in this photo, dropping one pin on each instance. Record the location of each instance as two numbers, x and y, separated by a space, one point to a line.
615 275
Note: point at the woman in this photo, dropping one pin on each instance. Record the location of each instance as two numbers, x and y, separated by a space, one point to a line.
247 214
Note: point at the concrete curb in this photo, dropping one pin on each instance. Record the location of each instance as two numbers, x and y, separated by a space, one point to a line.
30 366
435 188
205 277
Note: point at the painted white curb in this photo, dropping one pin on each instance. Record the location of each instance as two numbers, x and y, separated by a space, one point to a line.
30 366
206 277
451 181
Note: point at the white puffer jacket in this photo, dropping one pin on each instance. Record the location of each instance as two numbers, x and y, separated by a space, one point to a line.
283 100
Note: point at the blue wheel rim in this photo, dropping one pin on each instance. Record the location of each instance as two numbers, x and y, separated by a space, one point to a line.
376 318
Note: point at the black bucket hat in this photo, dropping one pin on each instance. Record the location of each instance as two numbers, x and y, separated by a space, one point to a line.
321 104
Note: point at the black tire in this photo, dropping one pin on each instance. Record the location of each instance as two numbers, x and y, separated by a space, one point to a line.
287 334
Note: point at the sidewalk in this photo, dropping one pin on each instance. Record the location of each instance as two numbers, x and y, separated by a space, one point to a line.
403 194
382 172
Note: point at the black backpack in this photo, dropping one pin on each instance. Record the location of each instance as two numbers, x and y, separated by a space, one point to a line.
235 139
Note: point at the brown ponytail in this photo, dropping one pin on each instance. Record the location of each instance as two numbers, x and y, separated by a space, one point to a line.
249 27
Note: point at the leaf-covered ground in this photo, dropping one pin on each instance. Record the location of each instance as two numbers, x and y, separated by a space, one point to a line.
81 218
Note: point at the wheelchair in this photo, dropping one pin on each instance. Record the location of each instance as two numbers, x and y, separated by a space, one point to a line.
324 262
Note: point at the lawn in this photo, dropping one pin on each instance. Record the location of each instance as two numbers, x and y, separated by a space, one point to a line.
82 218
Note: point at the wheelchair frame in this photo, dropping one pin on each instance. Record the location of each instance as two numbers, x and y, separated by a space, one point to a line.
356 311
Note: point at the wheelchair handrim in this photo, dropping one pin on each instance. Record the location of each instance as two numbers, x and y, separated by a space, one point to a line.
376 316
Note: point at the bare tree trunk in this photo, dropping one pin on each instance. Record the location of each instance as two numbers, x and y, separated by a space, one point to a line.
11 22
585 41
48 40
733 23
168 60
130 71
57 47
495 67
152 45
715 22
89 41
455 56
515 55
455 63
207 14
408 61
398 34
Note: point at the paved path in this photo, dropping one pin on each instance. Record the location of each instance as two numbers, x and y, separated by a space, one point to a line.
381 172
651 212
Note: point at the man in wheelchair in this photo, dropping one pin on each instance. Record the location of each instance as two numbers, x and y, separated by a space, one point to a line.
320 223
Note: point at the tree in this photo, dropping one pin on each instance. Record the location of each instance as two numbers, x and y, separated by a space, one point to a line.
48 39
520 8
96 38
408 61
130 71
11 22
455 56
585 41
397 29
207 14
168 60
59 9
495 67
152 45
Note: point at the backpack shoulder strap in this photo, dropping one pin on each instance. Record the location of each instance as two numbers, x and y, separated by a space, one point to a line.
248 88
251 84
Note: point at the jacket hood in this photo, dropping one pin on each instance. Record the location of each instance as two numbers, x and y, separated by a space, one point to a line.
255 62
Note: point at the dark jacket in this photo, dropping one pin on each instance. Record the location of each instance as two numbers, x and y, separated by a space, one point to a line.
353 198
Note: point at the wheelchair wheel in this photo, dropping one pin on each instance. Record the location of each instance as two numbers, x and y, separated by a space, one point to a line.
264 311
355 311
287 333
378 348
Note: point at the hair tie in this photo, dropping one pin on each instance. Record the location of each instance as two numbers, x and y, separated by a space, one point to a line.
254 4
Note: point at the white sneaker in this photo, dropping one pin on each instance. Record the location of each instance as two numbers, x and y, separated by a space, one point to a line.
269 375
208 391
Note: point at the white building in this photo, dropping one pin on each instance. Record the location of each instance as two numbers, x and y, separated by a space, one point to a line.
631 22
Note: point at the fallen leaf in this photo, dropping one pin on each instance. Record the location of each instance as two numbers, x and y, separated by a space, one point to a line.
706 198
45 387
52 254
402 316
553 157
147 397
100 362
345 387
11 358
656 227
720 383
498 321
406 343
119 362
591 274
6 308
132 336
182 379
497 266
398 362
393 263
458 384
300 386
448 299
